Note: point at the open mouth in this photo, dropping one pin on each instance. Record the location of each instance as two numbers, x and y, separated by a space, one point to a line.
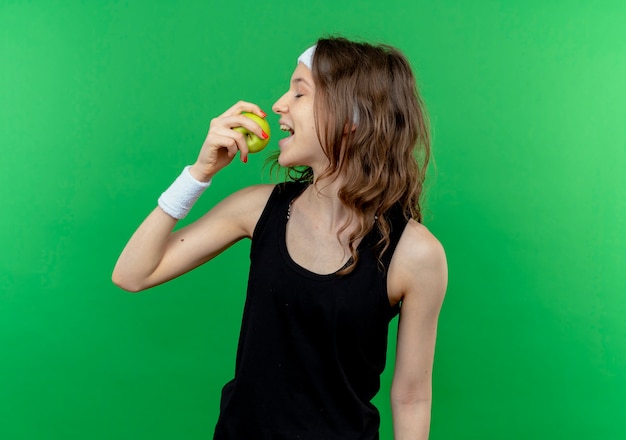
286 128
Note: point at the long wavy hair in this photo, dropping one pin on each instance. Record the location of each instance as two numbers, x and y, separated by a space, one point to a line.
374 129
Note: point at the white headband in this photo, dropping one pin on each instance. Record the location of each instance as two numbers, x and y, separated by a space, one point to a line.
307 57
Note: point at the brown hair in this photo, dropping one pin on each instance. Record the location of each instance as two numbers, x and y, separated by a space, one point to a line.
384 158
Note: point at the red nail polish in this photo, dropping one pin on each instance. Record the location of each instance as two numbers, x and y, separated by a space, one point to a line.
264 134
245 159
263 113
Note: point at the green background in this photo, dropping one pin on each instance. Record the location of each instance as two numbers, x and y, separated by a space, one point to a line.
102 104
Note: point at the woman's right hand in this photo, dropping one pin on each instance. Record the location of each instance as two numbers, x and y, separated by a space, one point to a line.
222 142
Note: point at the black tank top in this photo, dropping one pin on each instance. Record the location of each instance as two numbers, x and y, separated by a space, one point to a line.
312 347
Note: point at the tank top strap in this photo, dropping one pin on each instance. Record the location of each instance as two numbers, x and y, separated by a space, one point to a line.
397 223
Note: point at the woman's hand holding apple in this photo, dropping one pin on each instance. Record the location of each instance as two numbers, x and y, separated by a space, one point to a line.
228 134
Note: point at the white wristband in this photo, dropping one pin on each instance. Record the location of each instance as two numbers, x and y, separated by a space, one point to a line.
178 199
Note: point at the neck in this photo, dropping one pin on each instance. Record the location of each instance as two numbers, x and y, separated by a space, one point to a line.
322 200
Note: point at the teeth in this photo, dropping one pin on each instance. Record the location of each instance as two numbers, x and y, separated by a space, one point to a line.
284 127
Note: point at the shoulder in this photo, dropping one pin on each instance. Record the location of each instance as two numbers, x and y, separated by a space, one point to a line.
251 197
256 197
418 264
254 193
243 208
419 247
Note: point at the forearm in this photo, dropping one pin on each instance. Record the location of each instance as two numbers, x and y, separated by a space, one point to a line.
144 251
411 420
147 247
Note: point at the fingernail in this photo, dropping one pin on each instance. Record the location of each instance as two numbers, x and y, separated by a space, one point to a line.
264 134
245 159
263 113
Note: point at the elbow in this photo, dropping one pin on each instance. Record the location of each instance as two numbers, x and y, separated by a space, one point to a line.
407 397
410 402
411 413
126 284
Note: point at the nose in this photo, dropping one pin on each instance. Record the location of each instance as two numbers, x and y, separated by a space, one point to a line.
280 106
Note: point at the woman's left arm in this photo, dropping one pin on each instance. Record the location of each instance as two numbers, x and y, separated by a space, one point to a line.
418 276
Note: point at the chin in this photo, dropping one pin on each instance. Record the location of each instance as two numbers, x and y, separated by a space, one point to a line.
290 157
288 164
284 161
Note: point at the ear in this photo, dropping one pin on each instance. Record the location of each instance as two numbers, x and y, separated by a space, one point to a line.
355 120
348 128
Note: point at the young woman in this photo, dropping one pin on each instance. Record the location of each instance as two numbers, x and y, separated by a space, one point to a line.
336 253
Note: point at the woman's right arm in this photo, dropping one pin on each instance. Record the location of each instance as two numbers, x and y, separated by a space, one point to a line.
154 254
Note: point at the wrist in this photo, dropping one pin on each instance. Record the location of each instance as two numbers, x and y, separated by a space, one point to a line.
198 174
181 195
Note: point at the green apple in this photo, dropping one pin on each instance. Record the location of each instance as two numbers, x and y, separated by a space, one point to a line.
255 143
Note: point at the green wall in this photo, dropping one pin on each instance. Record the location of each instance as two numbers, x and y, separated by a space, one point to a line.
102 104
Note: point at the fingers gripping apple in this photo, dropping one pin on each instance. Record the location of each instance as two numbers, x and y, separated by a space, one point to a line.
255 143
